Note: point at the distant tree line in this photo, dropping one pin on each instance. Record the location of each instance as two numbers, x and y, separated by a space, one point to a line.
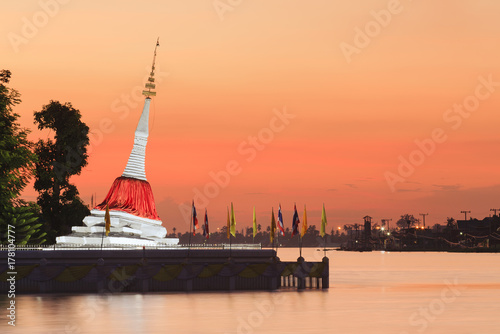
312 237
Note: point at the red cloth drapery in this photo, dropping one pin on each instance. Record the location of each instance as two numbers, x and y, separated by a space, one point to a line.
132 196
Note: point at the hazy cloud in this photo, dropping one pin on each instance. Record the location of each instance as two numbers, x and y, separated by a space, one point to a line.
409 190
448 187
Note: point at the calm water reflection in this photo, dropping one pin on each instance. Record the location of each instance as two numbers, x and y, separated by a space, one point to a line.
370 293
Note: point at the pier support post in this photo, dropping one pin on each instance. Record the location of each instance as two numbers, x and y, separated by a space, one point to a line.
301 283
325 283
301 279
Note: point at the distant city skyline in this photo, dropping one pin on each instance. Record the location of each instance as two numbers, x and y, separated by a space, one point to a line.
376 108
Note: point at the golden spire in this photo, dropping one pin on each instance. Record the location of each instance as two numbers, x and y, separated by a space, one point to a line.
150 84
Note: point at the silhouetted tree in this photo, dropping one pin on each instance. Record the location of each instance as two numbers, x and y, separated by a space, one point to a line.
59 159
16 151
17 163
451 223
407 221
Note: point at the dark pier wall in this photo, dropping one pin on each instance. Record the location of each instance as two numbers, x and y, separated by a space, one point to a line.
152 270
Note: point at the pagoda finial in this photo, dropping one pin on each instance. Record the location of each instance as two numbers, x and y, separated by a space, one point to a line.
150 84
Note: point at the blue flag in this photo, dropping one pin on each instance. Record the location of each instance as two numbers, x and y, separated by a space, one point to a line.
205 226
296 221
195 220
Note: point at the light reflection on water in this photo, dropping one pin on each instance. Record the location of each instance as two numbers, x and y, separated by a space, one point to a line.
369 293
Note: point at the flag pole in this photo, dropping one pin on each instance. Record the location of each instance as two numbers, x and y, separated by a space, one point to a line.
324 249
228 230
231 221
254 226
102 238
272 244
277 241
190 223
323 214
300 245
230 247
273 229
106 221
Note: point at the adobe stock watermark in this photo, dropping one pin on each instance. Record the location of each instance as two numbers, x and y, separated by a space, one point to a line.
248 149
223 6
12 273
454 118
426 315
372 29
30 26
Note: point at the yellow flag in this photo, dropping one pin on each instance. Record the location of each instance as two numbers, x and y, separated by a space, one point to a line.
273 226
304 224
323 222
107 220
233 221
228 224
254 223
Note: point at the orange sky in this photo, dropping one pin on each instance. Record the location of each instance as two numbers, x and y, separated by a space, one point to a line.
222 74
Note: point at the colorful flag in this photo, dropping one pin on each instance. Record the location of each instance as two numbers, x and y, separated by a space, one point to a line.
254 223
323 222
107 220
228 225
205 226
296 221
233 221
304 223
195 220
273 226
281 226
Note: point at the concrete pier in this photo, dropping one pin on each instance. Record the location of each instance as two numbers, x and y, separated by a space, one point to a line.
158 270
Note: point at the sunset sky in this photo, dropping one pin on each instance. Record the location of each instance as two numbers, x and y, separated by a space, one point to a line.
361 81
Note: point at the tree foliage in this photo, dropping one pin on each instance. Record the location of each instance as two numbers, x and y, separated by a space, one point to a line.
451 223
16 151
407 221
60 158
24 223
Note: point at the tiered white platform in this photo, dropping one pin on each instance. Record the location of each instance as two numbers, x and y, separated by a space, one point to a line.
126 230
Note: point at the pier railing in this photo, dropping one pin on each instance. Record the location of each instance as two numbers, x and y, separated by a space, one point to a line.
129 247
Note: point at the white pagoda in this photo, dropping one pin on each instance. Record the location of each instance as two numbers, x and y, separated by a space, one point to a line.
133 217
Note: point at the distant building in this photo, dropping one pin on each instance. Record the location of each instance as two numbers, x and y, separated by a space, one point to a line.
479 228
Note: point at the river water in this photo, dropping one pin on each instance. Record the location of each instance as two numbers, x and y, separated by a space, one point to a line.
374 292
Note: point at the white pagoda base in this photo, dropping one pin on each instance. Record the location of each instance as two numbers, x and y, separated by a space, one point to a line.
126 230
